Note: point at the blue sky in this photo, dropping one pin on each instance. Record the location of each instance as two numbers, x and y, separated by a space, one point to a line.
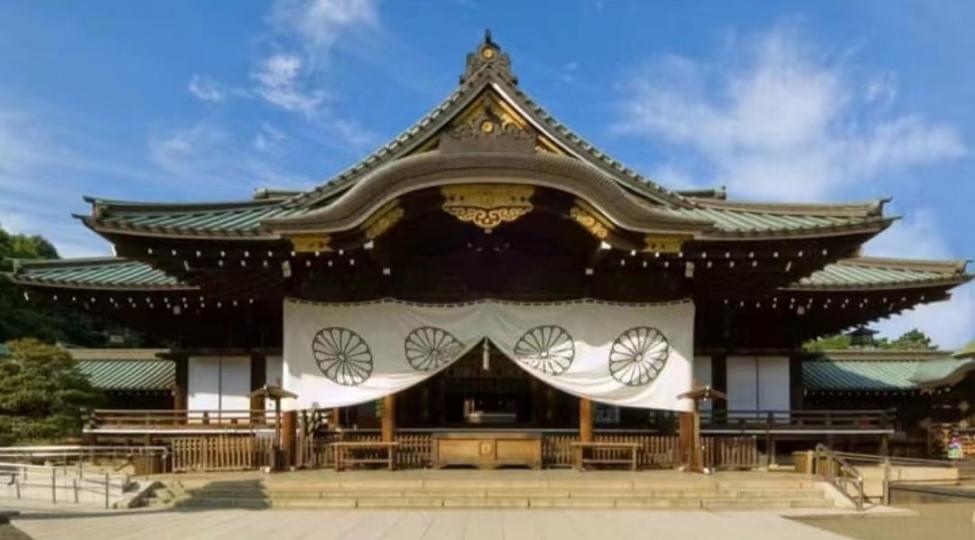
802 101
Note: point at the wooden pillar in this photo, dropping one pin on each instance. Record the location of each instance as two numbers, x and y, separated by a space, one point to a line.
258 373
181 383
389 418
289 424
691 453
585 420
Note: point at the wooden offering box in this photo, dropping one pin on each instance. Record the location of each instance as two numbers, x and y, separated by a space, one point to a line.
487 449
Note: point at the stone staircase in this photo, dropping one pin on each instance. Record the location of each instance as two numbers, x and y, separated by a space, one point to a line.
581 491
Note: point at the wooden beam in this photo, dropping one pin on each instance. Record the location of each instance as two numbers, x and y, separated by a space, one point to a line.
585 420
389 418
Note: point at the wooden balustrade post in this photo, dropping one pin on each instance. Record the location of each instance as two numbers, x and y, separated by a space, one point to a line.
389 418
289 423
585 420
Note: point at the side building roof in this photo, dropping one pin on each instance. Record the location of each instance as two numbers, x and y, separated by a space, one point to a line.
126 370
878 370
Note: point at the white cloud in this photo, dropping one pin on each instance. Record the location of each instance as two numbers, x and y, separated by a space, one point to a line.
881 90
319 24
206 89
268 138
776 121
950 323
569 72
308 31
214 162
279 79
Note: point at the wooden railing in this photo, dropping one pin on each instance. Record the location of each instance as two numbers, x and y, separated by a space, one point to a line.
764 420
182 419
811 419
655 451
222 453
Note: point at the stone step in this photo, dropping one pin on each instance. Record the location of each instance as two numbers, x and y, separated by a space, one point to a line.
412 484
510 502
502 493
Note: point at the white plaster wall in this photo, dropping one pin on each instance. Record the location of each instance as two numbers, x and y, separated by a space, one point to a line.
274 370
773 383
702 376
219 383
758 383
235 383
742 383
203 384
274 375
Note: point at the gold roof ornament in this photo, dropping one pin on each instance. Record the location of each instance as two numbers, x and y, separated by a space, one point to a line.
586 216
487 205
489 54
310 242
663 243
383 220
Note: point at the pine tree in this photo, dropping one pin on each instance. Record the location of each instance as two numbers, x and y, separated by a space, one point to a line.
43 395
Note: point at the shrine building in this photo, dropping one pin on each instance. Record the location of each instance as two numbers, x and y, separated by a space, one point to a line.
489 269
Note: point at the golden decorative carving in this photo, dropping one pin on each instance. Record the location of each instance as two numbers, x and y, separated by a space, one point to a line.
487 205
308 243
585 216
663 243
382 220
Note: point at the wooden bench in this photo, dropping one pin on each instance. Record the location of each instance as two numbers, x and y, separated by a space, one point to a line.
580 459
344 453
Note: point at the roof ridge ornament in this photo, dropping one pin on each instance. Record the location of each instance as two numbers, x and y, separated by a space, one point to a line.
488 55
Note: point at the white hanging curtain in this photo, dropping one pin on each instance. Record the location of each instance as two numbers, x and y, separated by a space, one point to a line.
632 355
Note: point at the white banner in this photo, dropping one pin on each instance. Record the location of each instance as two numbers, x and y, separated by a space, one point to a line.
632 355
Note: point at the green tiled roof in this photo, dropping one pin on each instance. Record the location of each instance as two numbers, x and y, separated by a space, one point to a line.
863 375
114 273
941 372
126 369
742 220
241 219
968 351
97 273
129 375
882 370
866 272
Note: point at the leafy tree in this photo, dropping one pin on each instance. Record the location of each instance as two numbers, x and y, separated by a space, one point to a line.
42 393
20 318
828 343
914 339
911 340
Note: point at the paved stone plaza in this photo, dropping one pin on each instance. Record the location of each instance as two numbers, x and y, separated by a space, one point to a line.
425 525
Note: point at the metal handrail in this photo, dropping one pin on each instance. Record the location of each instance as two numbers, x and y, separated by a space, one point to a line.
22 476
79 451
841 476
